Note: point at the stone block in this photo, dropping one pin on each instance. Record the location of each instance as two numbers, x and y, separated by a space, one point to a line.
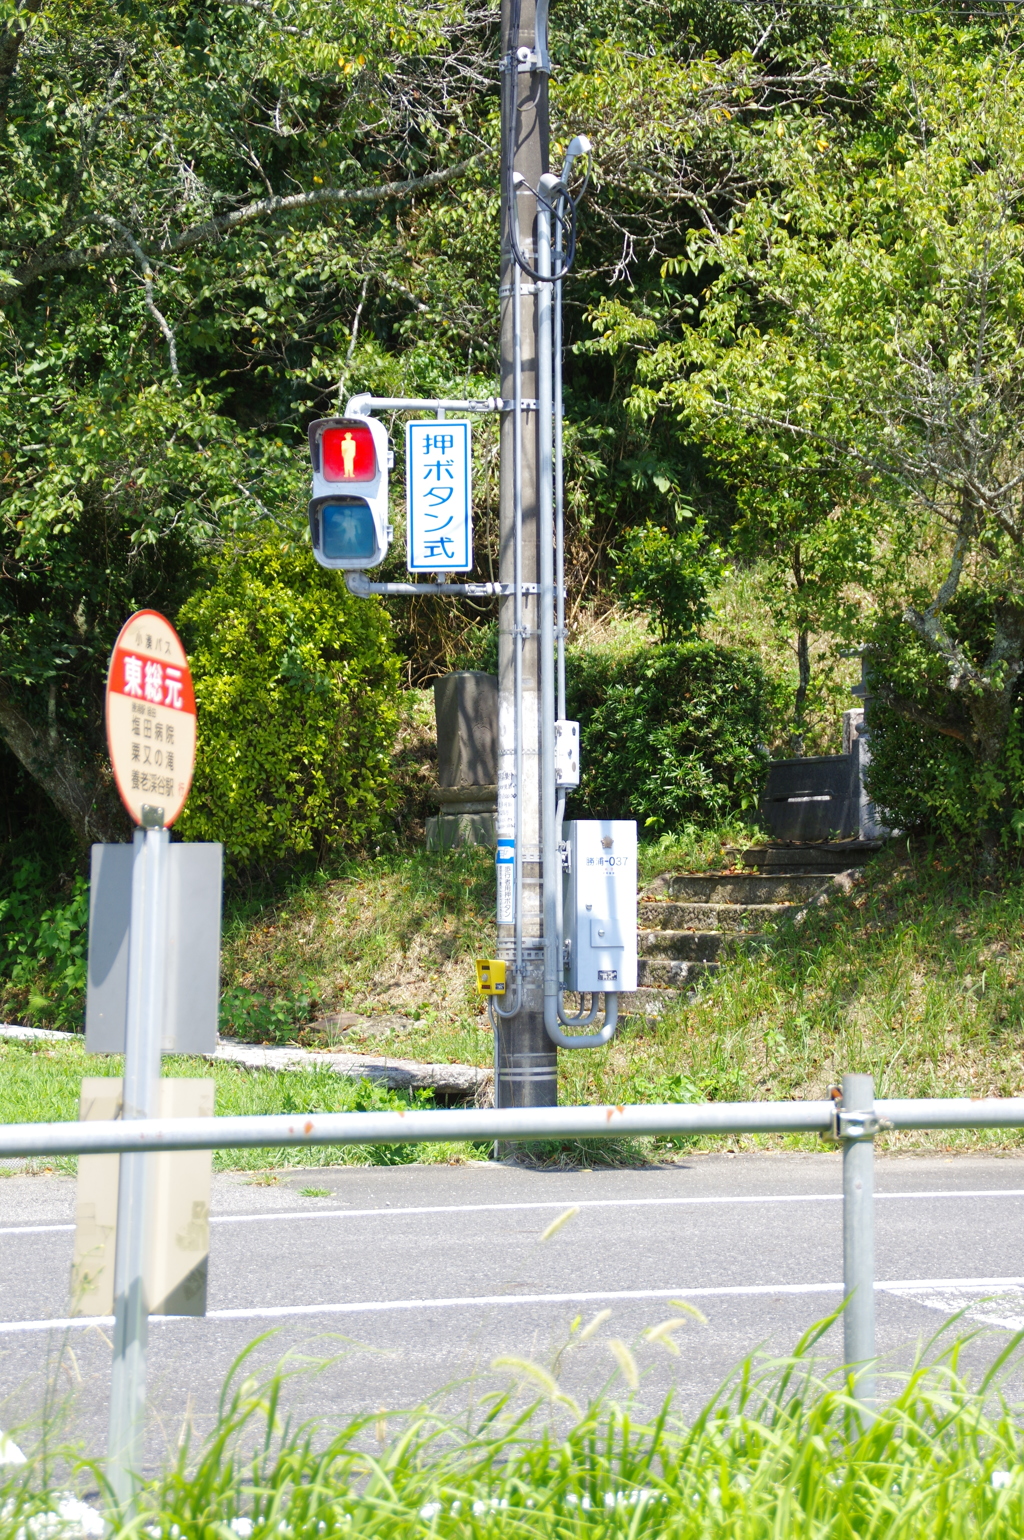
466 712
450 830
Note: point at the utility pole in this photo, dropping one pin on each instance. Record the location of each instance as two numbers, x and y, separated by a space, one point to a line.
525 1058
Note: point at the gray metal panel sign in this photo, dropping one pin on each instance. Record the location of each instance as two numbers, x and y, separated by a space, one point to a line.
110 909
195 879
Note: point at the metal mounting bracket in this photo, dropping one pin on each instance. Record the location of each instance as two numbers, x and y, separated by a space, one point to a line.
855 1125
359 585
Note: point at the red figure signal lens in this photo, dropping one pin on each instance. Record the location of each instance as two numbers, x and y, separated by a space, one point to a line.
348 454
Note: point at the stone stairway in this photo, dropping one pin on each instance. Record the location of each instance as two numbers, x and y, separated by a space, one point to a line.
691 923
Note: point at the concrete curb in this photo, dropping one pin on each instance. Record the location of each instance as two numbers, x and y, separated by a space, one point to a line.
446 1080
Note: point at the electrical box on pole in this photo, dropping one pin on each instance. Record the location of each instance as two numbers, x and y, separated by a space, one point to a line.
599 925
348 512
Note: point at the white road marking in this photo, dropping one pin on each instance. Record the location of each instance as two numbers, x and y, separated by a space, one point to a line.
287 1215
33 1229
582 1203
910 1288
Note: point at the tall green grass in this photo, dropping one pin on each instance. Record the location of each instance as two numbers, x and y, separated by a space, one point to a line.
779 1452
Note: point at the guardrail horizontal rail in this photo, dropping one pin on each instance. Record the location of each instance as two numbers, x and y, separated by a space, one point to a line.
482 1124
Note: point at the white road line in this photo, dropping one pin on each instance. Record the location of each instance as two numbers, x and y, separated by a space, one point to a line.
478 1301
287 1215
562 1203
33 1229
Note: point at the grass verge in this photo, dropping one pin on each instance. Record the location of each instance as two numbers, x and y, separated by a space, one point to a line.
779 1452
41 1081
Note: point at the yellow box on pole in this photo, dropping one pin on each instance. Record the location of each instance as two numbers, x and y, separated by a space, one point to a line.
490 976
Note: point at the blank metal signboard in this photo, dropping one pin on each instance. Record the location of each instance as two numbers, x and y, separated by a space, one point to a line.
437 470
192 973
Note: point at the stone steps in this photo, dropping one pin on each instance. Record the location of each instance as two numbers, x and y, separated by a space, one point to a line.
740 887
670 973
695 945
832 856
691 923
667 914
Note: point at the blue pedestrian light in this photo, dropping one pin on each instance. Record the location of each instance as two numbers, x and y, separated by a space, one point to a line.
347 529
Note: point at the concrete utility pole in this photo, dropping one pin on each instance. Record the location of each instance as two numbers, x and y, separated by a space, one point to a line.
525 1058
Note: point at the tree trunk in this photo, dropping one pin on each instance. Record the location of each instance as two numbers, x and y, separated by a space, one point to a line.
803 664
76 789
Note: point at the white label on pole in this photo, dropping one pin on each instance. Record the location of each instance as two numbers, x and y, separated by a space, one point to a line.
437 474
505 873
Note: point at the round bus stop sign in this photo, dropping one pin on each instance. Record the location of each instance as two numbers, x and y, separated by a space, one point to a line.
151 719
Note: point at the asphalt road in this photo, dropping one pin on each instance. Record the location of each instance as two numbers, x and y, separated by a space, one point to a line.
414 1279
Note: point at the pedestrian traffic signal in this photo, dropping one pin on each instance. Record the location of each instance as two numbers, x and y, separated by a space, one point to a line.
348 514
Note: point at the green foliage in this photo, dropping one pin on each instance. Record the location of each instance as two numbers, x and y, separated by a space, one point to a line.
254 1018
856 373
168 332
782 1449
671 735
925 771
43 949
296 692
667 574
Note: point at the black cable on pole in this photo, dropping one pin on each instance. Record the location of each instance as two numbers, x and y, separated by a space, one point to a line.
568 222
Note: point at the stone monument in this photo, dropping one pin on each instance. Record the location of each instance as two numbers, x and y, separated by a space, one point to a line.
466 712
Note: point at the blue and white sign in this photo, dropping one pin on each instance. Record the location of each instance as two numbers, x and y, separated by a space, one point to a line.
437 470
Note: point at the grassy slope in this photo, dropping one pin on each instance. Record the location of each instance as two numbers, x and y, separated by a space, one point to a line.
41 1081
917 977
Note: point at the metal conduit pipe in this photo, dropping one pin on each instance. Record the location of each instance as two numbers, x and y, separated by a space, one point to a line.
494 1010
362 406
552 804
360 585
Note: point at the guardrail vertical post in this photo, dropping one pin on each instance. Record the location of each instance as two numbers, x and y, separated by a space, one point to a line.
857 1126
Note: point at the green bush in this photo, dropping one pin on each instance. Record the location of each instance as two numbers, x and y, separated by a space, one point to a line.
671 735
920 777
42 948
666 575
297 694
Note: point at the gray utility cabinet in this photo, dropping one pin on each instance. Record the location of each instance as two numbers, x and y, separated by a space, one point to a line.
192 938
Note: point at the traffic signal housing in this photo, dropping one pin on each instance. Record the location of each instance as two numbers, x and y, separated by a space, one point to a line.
348 513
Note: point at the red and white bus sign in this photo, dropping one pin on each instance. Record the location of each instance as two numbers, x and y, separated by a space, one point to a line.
151 719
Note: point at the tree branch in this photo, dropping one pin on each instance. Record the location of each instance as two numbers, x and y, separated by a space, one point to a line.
906 708
147 278
223 224
74 786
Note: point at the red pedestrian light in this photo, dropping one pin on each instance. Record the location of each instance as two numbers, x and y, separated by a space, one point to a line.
348 453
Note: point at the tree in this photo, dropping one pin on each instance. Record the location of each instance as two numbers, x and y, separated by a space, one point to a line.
864 322
198 201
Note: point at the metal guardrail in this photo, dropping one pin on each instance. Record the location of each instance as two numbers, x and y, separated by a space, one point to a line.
853 1120
506 1123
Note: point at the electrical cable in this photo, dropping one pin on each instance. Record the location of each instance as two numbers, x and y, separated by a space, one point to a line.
510 69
